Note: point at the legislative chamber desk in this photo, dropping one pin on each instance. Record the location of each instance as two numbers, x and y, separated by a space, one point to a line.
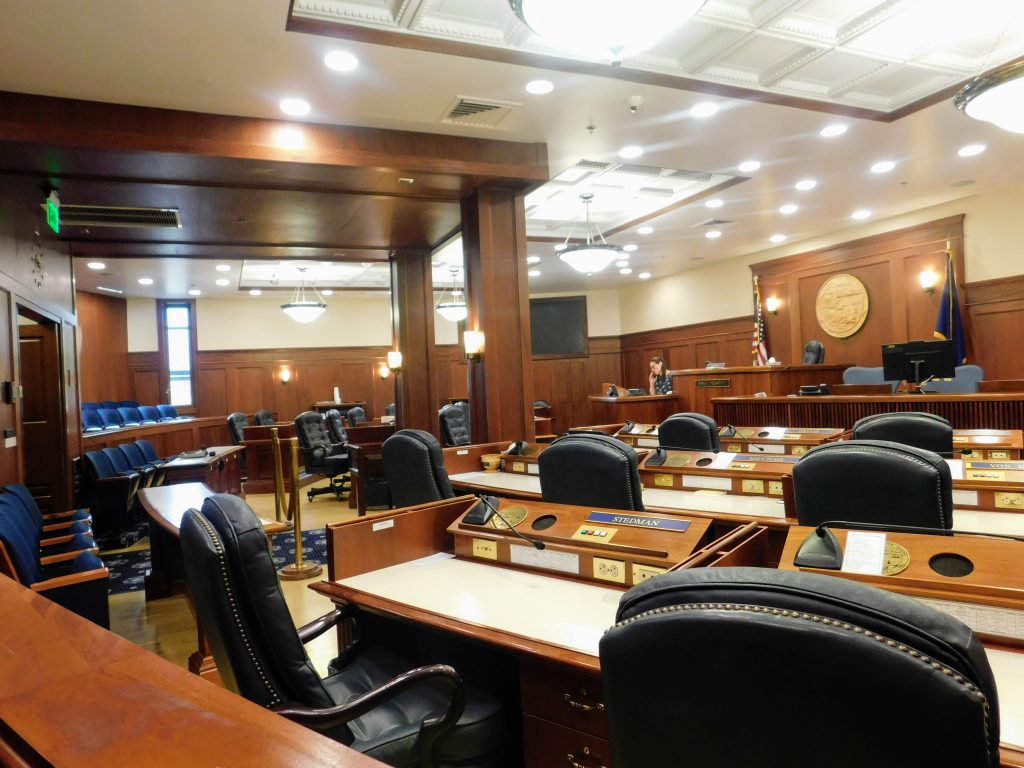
988 410
698 386
655 408
220 468
541 614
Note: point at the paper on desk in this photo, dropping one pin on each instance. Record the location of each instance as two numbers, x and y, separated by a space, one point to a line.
865 553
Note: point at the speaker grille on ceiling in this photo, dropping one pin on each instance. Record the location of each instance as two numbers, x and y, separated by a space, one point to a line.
119 216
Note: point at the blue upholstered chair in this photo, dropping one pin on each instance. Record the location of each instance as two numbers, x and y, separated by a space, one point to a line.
149 414
128 404
110 417
130 417
91 421
119 461
110 495
857 374
90 406
137 461
111 404
167 412
149 451
965 380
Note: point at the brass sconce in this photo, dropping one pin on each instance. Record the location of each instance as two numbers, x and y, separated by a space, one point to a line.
772 304
395 360
383 371
285 374
474 343
928 281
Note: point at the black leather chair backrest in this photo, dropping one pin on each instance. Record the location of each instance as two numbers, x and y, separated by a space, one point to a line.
264 418
873 481
921 430
806 655
240 606
454 421
314 439
336 426
356 416
237 421
591 471
814 353
689 431
389 409
414 468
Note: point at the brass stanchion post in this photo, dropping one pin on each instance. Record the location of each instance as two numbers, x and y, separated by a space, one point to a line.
299 569
279 498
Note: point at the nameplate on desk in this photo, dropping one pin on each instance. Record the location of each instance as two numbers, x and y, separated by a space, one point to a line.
713 383
762 459
1012 465
639 521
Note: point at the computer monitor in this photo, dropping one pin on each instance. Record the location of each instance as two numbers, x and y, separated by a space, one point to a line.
919 361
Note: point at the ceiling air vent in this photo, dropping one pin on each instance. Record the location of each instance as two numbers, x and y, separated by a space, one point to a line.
692 175
481 113
119 216
715 222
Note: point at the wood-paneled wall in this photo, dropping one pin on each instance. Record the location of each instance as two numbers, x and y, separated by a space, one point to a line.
565 382
996 311
103 365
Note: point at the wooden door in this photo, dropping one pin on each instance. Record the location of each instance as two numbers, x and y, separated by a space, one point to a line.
41 411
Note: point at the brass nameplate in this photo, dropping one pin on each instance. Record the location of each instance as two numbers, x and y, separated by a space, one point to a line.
977 474
703 383
741 465
485 548
788 436
518 466
663 480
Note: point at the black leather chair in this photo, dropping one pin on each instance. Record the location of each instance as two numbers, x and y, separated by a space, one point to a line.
264 418
590 471
814 353
455 425
414 468
321 456
356 416
776 669
873 481
921 430
237 421
336 426
373 701
389 409
689 431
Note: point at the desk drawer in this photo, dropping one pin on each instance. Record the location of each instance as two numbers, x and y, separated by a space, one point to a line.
563 696
547 745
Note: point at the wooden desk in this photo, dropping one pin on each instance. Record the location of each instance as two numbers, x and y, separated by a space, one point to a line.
220 469
364 448
697 386
259 457
323 406
77 695
642 408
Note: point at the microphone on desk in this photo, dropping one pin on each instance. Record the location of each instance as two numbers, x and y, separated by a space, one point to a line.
494 511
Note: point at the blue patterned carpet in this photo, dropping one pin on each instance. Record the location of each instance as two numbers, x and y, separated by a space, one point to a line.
128 569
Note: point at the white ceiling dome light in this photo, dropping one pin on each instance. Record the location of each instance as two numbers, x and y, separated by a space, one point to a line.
996 97
593 255
303 310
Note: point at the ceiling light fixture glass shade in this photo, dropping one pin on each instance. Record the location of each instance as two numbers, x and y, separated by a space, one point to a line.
593 255
454 308
609 29
996 97
302 309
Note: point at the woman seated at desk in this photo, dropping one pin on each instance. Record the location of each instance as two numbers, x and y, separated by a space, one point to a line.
661 378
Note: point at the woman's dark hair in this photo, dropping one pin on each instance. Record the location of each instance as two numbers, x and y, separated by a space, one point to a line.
658 359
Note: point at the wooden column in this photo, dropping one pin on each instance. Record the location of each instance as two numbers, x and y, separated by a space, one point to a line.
494 248
412 311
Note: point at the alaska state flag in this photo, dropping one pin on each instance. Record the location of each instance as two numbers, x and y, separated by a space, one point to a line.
947 324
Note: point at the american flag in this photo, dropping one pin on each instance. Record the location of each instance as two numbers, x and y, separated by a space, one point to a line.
759 348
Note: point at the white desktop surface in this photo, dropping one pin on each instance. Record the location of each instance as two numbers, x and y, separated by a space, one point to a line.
507 481
1008 668
525 604
982 521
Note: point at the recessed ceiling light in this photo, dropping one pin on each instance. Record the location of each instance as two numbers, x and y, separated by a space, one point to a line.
713 203
195 292
748 166
713 234
883 166
223 267
294 107
833 130
540 87
255 292
534 273
805 184
223 282
778 238
629 248
644 275
860 214
533 259
631 152
622 263
644 230
704 109
625 271
789 208
326 292
97 265
290 138
971 150
145 281
108 290
341 61
561 247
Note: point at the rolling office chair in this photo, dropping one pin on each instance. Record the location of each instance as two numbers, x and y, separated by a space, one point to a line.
336 426
455 425
321 456
356 416
414 468
372 701
814 353
873 481
237 421
590 471
264 418
921 430
689 431
809 695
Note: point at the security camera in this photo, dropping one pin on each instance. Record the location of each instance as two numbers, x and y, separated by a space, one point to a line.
634 102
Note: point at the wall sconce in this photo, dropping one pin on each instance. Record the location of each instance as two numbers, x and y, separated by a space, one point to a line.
384 371
772 304
285 374
474 342
928 281
395 360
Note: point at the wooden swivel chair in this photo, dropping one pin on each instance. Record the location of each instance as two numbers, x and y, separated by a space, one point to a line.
779 669
590 470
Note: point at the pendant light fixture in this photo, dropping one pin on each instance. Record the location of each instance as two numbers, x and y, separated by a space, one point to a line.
996 97
593 255
300 308
454 308
608 29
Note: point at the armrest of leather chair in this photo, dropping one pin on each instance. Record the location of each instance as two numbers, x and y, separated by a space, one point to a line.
83 590
317 627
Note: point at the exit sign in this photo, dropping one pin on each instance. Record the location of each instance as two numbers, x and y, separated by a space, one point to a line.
53 212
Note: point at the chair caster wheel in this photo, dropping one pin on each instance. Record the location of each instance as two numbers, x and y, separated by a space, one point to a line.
309 497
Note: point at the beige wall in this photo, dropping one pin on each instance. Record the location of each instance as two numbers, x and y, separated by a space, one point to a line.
993 248
142 336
